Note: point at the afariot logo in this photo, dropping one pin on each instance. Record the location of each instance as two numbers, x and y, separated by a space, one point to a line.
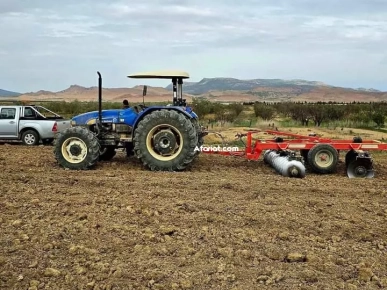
216 148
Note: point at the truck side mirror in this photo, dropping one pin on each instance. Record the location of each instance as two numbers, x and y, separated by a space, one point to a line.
144 91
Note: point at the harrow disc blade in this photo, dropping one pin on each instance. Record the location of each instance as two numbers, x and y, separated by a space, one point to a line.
360 168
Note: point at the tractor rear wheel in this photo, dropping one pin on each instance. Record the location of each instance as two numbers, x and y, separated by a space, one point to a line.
323 158
200 136
77 148
165 140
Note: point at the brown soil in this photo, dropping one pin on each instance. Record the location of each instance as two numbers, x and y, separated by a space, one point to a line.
225 224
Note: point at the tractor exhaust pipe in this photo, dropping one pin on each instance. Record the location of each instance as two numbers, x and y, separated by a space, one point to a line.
284 166
99 97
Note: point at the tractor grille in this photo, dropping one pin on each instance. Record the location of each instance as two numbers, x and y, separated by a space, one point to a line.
123 128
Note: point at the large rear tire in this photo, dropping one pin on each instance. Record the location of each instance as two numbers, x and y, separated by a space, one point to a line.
200 136
77 148
165 140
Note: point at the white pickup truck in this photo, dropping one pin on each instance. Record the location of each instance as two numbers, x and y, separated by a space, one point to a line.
30 124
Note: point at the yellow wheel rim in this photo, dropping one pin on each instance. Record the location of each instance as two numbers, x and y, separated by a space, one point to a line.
164 142
324 158
74 150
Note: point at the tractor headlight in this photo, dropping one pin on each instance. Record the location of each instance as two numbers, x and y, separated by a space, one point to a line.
73 123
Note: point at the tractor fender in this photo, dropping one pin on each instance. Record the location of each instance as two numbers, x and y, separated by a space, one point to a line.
152 109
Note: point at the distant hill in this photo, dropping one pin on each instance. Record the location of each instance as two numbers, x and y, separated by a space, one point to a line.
220 90
80 93
225 84
4 93
277 90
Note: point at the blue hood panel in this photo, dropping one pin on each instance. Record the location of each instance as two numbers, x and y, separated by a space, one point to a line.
127 116
107 116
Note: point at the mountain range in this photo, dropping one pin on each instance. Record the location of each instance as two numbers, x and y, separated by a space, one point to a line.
4 93
216 89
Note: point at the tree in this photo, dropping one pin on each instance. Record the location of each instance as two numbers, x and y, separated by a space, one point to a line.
202 107
266 112
223 114
318 113
236 108
378 117
300 112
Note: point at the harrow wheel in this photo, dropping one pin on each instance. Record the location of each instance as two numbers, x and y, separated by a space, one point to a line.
77 148
323 158
165 140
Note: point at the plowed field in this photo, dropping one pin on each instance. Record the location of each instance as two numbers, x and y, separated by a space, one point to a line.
225 224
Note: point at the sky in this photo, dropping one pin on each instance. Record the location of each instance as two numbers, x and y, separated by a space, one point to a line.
50 45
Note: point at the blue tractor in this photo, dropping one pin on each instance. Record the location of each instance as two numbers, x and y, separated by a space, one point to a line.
164 138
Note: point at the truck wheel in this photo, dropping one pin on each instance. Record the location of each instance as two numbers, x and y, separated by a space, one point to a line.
165 140
77 148
30 138
107 153
323 158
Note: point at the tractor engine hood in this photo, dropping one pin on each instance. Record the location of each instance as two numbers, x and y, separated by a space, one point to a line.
89 118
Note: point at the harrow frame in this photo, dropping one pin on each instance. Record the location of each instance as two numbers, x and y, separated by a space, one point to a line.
357 148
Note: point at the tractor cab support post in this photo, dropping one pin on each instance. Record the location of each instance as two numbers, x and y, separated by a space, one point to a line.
174 85
177 84
180 90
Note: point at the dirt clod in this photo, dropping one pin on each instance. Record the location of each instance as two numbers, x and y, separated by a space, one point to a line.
34 283
51 272
295 257
365 274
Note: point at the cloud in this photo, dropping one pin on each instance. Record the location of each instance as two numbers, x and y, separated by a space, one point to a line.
141 10
320 40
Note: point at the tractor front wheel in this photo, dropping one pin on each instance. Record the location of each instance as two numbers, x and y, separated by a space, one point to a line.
165 140
77 148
